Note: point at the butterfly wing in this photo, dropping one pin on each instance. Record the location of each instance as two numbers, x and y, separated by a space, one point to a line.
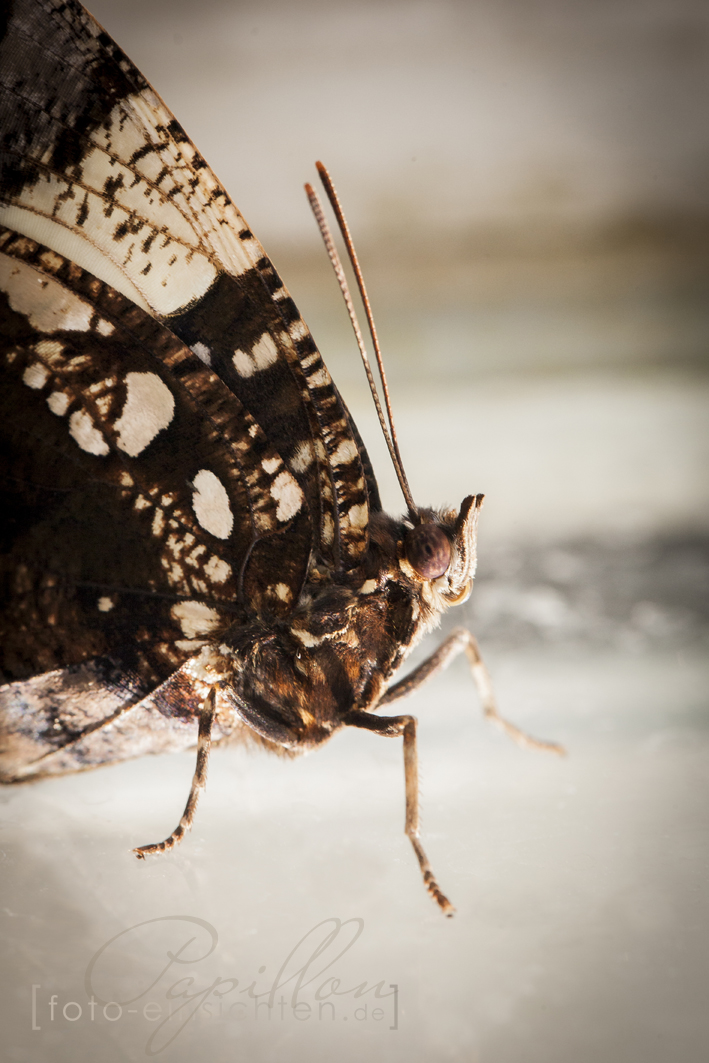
95 167
147 511
192 376
174 452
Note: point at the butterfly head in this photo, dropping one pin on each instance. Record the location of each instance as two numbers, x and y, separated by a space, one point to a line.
439 549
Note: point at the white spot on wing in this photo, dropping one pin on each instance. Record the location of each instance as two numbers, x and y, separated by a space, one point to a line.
35 376
263 353
358 516
345 453
49 348
103 402
287 494
104 605
269 465
84 432
174 544
298 329
148 409
217 569
320 378
210 502
310 359
242 363
158 523
195 618
302 457
58 402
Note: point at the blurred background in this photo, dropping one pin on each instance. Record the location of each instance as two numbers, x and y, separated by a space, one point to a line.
527 184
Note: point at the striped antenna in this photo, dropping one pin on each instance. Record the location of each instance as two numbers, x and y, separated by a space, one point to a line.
389 432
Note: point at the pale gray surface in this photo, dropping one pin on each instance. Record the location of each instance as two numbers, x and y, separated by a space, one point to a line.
580 884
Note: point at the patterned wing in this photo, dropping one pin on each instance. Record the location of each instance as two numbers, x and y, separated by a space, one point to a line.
173 447
95 167
146 511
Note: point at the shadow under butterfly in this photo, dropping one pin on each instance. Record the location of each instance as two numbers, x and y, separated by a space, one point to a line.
193 545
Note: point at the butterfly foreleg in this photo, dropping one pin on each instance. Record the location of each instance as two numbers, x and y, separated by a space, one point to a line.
199 781
392 726
461 640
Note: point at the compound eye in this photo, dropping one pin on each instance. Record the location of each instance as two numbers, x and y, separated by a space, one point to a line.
428 550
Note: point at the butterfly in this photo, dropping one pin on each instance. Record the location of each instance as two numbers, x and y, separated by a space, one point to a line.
193 544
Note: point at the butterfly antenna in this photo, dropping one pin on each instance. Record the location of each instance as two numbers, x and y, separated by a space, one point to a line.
390 436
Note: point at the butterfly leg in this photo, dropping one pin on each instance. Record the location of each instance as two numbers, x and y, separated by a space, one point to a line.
199 781
392 726
459 641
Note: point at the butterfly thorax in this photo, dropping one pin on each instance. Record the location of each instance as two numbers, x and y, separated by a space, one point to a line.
294 682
